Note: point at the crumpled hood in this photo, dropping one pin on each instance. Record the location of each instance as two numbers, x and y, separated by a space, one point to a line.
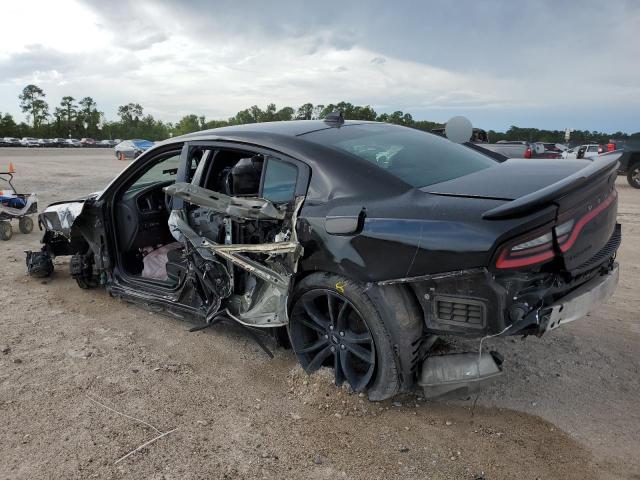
509 180
59 217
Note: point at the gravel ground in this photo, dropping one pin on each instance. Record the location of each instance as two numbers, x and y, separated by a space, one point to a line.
567 406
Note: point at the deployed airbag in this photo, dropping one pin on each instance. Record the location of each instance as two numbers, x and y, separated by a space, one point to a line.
155 262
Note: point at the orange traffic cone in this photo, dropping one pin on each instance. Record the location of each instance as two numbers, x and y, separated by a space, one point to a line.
11 169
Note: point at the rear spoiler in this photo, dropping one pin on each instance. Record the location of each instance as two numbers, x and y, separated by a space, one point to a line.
603 165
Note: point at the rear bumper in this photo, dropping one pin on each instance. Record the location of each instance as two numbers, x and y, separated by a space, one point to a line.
475 303
581 301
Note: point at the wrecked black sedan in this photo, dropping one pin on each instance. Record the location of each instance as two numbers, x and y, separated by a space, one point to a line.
363 241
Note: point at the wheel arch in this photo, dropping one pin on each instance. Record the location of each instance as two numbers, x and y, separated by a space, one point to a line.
403 316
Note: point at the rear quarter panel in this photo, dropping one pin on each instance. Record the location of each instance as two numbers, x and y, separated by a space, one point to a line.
410 235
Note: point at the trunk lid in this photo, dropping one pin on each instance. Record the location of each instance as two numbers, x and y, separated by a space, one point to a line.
583 193
592 214
509 180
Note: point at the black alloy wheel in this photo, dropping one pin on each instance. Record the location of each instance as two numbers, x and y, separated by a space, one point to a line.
326 329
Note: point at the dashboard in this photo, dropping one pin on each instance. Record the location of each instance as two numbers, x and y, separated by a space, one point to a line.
142 215
151 202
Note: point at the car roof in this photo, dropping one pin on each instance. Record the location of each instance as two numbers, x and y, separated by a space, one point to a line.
292 128
288 139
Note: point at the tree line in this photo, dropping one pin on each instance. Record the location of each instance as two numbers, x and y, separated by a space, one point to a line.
78 118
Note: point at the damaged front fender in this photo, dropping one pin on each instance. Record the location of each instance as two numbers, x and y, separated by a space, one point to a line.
58 218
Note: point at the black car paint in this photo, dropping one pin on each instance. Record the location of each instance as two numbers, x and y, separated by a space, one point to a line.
435 235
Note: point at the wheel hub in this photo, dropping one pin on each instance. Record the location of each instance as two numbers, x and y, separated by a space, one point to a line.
327 330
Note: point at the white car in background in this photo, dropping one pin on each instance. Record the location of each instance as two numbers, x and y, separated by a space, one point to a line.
29 142
583 151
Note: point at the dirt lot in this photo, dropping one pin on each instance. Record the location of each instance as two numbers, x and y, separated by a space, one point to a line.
567 406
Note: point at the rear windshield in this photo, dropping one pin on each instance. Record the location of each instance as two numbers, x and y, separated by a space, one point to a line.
416 157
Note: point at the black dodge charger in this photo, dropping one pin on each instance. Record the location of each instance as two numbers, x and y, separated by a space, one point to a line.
360 243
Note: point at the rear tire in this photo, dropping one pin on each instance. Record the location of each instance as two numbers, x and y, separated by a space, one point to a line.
5 230
370 340
25 225
633 177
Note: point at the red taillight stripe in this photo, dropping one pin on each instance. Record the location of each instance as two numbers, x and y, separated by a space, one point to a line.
580 224
503 262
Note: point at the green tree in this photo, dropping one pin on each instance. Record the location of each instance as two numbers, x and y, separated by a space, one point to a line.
305 112
89 115
188 124
248 115
67 114
32 103
216 124
285 114
130 113
268 115
8 127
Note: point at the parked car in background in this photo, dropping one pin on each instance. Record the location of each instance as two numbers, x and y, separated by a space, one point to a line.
59 142
72 142
590 151
540 150
29 142
511 149
87 142
571 153
583 151
131 148
555 147
11 142
106 143
629 162
48 142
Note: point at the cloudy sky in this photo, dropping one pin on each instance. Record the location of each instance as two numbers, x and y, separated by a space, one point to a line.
547 64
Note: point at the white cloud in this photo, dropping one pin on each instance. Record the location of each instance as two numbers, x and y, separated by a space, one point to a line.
188 57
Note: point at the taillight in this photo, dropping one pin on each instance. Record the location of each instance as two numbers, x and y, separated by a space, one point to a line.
568 232
527 153
611 147
536 248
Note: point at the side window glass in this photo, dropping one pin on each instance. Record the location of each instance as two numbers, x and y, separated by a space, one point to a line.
279 181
